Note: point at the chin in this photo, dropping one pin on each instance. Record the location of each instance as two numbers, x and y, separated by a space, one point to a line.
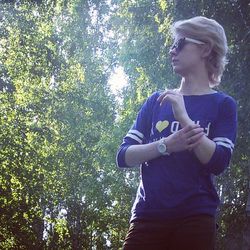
177 70
182 71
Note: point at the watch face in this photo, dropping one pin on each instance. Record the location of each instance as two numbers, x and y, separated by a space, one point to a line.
162 148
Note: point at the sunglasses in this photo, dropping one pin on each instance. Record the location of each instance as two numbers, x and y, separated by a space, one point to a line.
180 43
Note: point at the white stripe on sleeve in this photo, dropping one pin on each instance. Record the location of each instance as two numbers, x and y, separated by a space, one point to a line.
225 142
224 139
225 145
134 137
136 132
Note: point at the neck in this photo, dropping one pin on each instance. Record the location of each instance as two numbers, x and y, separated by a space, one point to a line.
195 86
195 81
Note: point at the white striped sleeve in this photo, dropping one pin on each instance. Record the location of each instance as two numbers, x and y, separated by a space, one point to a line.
136 135
225 142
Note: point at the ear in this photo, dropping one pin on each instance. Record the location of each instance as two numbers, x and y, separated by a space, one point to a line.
206 50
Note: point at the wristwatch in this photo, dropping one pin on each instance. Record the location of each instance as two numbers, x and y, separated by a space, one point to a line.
162 147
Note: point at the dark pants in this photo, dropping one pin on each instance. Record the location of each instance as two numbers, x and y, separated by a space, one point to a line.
192 233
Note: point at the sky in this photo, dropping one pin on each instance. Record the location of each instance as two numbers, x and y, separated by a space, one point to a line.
117 80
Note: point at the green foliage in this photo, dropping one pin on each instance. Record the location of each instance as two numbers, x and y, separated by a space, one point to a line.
55 110
140 58
60 126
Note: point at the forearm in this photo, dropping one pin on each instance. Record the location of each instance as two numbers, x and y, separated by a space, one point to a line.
205 150
206 147
137 154
184 139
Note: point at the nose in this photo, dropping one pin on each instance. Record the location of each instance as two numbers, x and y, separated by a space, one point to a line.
172 52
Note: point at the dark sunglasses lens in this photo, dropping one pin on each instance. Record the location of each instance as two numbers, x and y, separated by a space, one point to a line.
178 45
173 46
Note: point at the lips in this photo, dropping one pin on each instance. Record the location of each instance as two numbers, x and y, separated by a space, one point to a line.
174 61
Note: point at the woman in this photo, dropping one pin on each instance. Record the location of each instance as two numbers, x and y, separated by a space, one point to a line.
181 139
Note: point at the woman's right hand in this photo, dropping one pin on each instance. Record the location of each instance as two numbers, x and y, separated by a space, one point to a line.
186 138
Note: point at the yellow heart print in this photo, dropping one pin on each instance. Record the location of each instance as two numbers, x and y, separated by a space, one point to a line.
161 125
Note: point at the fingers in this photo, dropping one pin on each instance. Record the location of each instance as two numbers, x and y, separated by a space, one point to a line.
196 143
166 96
193 139
191 129
159 99
193 135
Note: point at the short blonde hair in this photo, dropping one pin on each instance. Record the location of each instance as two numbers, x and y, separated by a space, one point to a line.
211 32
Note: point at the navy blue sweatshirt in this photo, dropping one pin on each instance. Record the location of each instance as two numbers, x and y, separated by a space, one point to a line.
179 185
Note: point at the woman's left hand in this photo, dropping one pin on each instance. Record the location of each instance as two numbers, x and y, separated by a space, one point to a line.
178 105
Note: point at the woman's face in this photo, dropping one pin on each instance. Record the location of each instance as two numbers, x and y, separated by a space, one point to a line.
186 55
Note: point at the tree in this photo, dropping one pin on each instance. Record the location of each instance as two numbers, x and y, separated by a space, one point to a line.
57 106
145 29
60 126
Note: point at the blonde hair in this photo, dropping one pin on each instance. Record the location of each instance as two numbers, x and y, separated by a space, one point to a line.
212 33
